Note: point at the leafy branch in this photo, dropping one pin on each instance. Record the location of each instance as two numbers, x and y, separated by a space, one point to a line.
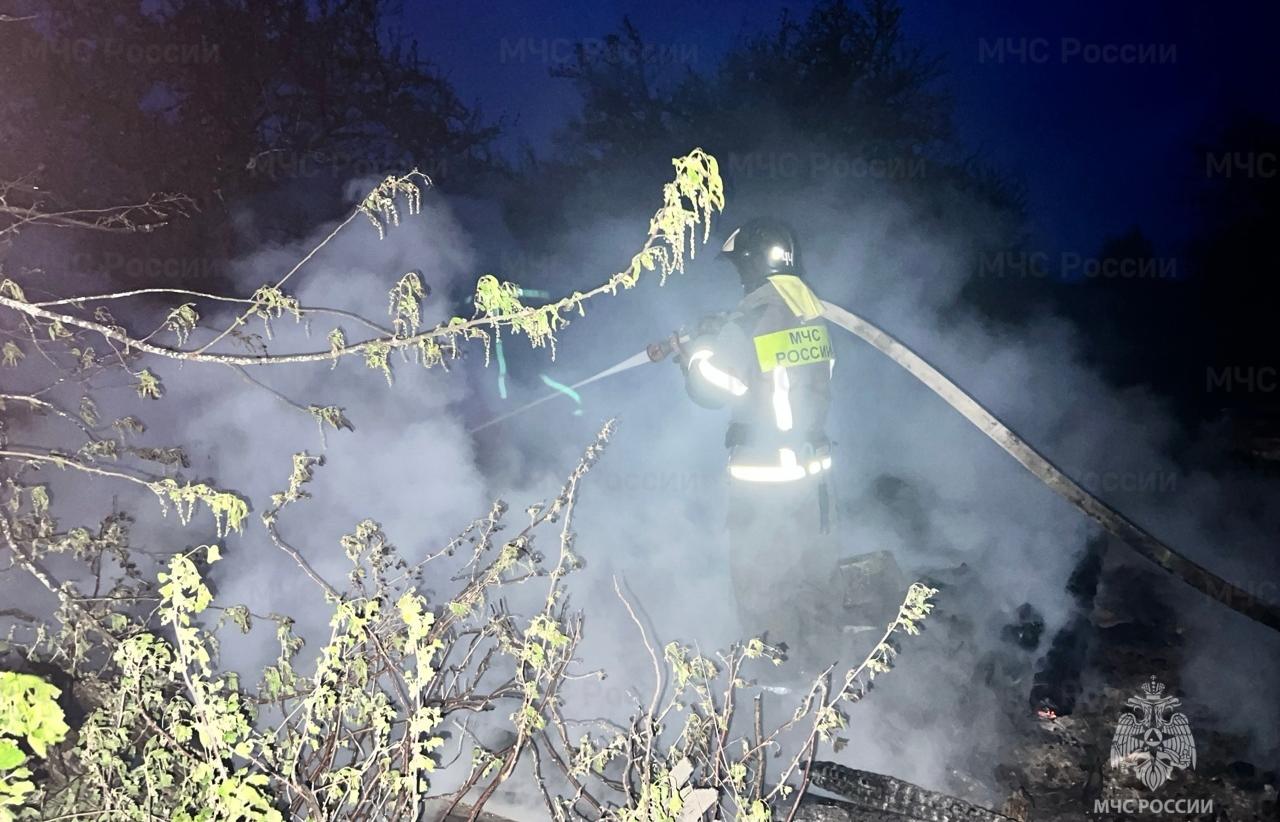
688 202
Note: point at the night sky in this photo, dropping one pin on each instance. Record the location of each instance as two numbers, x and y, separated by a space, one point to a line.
1099 146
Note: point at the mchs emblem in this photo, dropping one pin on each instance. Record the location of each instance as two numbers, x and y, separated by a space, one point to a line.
1154 740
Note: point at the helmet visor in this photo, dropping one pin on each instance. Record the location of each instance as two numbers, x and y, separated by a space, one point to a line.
727 249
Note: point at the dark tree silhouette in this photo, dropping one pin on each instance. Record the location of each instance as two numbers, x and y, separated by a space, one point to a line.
840 89
224 102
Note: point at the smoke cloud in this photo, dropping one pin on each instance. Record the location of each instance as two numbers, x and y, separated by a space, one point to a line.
911 476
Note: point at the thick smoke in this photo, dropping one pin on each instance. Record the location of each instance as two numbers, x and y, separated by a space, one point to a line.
654 513
651 514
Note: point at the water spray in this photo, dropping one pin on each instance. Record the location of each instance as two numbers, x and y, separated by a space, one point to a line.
571 390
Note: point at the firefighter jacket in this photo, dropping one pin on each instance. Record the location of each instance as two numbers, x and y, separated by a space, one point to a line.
771 363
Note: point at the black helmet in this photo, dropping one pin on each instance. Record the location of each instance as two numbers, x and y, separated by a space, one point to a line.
761 248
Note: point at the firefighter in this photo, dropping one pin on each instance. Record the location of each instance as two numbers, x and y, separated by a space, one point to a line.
770 362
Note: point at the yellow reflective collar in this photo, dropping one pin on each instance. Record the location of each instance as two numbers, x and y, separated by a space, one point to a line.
798 296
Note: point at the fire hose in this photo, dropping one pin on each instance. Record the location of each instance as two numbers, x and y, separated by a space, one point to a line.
1115 523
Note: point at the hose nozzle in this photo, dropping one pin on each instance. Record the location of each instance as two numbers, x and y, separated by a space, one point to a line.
662 349
658 351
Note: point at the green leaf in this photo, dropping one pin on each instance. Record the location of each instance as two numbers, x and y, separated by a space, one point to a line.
29 710
10 755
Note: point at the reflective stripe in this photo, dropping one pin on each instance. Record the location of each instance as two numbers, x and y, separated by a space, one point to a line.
816 466
786 469
782 399
701 359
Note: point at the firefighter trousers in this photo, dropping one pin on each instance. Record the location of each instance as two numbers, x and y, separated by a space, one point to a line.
784 569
